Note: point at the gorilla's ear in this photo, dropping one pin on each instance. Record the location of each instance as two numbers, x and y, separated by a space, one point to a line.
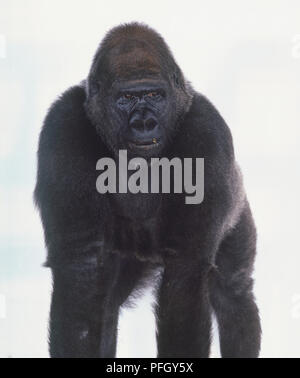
176 79
183 90
92 87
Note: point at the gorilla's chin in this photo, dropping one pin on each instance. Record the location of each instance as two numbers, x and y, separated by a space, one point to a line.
144 146
145 149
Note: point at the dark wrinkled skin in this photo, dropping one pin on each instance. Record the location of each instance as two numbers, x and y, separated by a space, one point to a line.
101 247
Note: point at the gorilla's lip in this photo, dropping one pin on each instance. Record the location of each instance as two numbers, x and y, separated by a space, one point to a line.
144 145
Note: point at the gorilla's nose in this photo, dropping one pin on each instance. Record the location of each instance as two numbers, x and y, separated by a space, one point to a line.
143 125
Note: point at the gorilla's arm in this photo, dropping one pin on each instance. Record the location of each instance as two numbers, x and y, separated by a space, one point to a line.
202 264
73 218
66 171
200 228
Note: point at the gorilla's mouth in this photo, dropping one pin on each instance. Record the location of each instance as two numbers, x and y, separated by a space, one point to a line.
145 144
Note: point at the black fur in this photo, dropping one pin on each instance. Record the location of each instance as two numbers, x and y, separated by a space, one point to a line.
103 247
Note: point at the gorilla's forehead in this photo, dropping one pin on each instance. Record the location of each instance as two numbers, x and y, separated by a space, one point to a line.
134 61
150 81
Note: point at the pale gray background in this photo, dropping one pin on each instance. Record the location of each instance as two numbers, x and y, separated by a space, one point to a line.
244 55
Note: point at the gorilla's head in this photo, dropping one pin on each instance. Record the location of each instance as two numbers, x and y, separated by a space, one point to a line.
136 93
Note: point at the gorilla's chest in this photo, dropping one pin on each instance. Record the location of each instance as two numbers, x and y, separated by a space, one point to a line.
136 225
137 207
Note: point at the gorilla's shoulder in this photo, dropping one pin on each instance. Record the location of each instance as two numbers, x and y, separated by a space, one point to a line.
203 109
68 107
66 121
205 130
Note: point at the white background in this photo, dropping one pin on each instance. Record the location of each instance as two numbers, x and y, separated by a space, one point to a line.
244 55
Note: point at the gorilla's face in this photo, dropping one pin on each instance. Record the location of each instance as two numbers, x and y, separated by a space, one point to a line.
135 114
140 112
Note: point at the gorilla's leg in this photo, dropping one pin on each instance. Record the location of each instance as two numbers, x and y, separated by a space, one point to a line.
84 315
183 312
87 295
231 293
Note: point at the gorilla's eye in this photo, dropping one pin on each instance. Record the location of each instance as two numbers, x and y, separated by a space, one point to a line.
128 96
152 94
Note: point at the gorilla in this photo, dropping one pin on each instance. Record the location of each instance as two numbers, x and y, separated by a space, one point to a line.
103 249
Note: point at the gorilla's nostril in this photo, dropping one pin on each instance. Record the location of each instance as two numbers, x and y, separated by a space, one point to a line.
137 124
150 123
